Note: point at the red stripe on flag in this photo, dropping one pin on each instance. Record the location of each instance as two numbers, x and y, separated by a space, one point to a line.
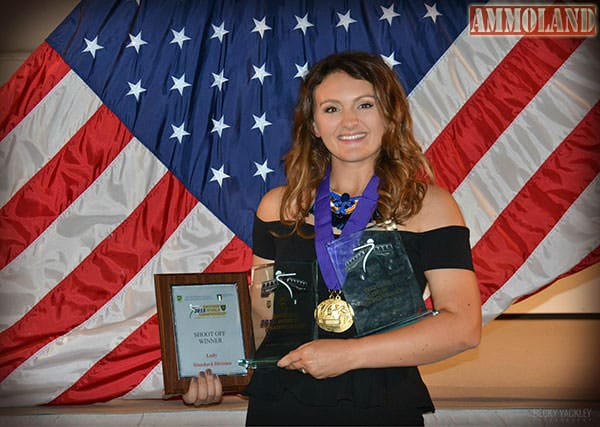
118 372
62 180
494 105
236 256
130 362
555 186
42 70
101 275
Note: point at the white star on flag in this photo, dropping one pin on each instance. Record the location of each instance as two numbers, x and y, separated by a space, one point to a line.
179 83
219 125
390 60
388 13
260 73
260 27
219 32
219 80
432 12
136 89
219 175
179 37
302 70
179 132
263 170
92 46
136 41
345 20
303 23
261 122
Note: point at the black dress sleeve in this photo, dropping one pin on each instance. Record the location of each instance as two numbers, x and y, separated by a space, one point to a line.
263 244
446 247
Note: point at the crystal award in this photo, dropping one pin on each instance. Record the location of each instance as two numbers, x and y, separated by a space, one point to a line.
283 296
377 280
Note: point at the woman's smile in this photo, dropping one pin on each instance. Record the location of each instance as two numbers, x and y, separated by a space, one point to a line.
347 118
352 137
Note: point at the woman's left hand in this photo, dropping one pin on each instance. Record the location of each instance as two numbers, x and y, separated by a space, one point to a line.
322 358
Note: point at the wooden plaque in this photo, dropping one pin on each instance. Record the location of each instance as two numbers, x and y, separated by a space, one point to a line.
205 323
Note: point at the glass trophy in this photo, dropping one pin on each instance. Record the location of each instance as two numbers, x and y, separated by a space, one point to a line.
378 280
284 296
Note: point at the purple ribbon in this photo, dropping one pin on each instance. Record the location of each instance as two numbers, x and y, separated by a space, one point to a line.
323 230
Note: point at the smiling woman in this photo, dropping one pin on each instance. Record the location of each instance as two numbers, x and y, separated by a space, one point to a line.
348 120
368 97
353 138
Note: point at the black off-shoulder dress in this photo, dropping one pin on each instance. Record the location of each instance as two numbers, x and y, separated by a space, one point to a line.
382 396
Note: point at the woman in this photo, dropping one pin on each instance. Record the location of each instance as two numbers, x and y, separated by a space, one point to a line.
353 142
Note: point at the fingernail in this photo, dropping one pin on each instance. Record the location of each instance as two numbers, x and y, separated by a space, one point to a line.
208 372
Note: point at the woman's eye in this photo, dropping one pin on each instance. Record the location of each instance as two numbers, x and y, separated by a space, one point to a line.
366 105
330 109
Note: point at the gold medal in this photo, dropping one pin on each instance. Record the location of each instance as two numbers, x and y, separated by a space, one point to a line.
334 314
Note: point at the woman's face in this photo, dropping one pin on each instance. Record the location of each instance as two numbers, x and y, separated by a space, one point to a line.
348 118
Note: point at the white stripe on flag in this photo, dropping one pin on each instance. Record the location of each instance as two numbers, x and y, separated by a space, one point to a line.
452 80
573 237
44 131
45 375
78 230
538 130
151 387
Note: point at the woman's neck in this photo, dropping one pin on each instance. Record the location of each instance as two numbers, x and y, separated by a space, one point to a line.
349 180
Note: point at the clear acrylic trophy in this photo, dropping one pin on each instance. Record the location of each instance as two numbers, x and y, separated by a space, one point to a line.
378 280
283 299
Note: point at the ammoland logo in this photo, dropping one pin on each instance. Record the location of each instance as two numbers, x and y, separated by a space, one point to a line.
533 20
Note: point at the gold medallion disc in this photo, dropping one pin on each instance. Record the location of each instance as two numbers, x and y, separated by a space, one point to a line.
334 314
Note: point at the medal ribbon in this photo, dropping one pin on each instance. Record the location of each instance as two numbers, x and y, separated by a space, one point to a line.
323 230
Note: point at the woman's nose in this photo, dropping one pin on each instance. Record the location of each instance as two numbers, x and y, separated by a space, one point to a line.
350 119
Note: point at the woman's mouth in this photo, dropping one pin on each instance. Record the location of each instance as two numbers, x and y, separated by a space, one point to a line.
352 137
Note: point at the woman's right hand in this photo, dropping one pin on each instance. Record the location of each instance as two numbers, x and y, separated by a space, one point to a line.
204 389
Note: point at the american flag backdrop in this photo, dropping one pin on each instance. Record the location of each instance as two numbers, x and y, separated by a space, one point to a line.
140 136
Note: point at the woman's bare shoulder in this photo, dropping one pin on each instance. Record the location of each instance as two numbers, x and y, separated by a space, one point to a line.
439 210
269 206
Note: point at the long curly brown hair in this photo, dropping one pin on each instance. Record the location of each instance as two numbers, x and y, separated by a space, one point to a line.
403 169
